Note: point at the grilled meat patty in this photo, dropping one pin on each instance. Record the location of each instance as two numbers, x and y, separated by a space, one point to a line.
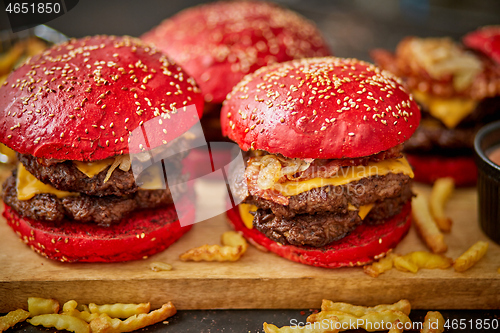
104 210
323 226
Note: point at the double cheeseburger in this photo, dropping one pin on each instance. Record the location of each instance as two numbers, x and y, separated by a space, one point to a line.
323 181
90 121
219 43
458 91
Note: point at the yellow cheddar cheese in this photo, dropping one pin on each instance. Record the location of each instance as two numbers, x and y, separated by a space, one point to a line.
347 175
363 210
28 186
90 169
152 178
451 111
245 215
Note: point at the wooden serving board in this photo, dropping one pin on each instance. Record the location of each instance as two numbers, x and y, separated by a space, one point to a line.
259 280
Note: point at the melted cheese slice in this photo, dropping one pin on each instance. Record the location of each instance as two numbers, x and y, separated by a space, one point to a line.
152 178
245 215
363 210
28 186
90 169
347 175
247 218
451 111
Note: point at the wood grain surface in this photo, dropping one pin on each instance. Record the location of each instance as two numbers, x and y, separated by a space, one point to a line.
259 280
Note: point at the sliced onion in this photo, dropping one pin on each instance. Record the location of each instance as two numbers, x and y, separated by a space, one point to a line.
122 161
125 162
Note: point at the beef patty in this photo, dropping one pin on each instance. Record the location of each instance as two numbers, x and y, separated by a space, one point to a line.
65 176
323 226
320 216
104 210
314 230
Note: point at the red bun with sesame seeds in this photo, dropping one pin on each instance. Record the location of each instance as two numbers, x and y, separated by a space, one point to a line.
80 100
323 174
219 43
320 108
138 236
93 122
485 40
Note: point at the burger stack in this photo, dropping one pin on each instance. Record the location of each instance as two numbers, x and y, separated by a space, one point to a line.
458 90
90 121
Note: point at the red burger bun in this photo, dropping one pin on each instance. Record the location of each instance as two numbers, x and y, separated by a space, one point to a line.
365 244
353 116
141 234
219 43
485 40
429 168
77 93
319 108
88 100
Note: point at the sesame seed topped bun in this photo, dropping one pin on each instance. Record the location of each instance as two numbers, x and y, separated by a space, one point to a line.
80 100
320 108
486 40
221 42
81 117
323 181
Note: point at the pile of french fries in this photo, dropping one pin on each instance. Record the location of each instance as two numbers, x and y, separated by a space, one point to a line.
337 316
430 221
91 318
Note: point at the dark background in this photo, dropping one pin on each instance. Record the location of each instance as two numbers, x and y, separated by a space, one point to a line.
351 28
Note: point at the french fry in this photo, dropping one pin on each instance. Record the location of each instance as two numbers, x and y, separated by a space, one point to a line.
426 226
397 327
405 265
233 247
433 323
120 310
159 266
359 311
413 261
380 266
372 321
470 257
106 324
38 306
12 318
61 322
328 326
234 239
212 253
441 191
70 309
9 59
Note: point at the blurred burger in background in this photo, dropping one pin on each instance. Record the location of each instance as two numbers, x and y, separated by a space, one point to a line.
323 181
458 90
221 42
92 121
